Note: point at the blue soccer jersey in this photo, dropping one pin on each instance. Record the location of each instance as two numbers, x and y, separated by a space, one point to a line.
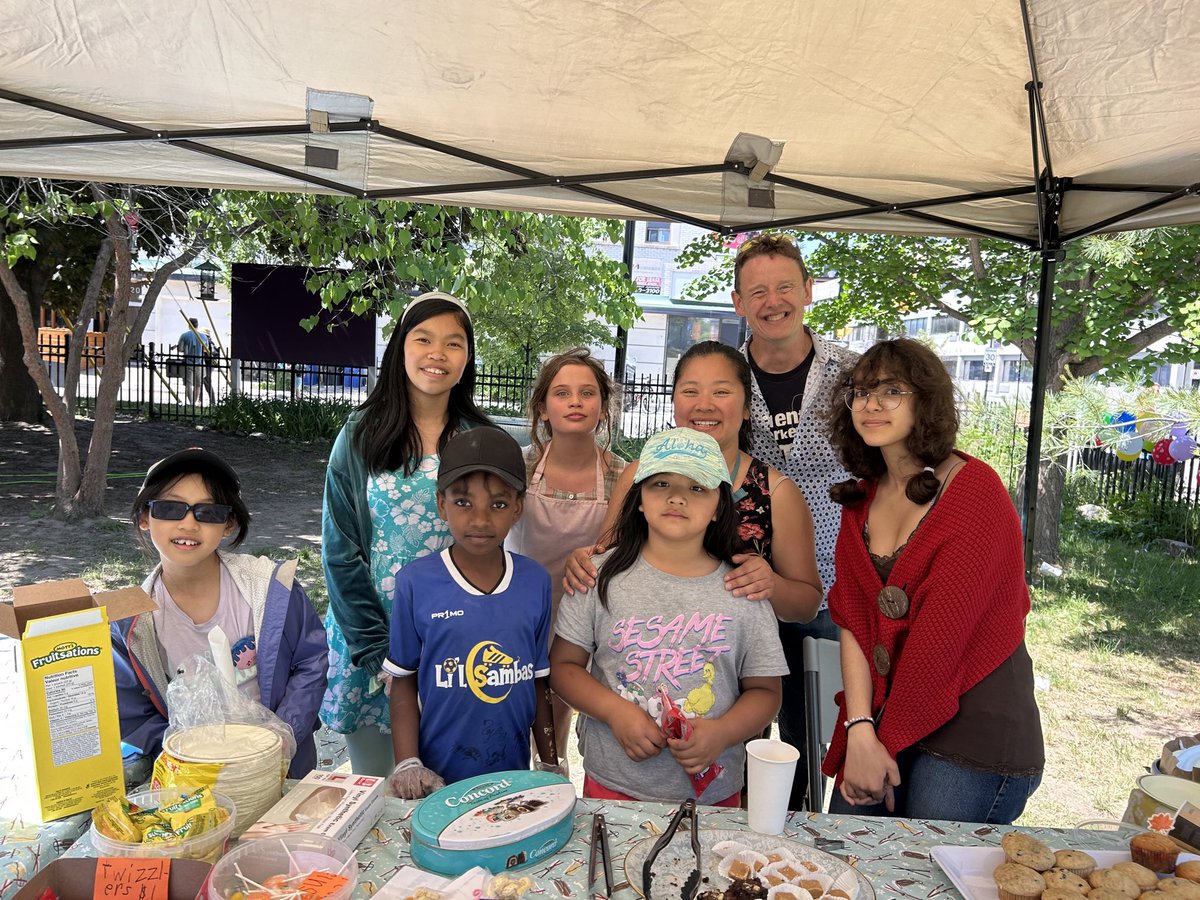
475 656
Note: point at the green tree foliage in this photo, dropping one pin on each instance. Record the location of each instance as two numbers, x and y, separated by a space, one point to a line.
534 283
1115 296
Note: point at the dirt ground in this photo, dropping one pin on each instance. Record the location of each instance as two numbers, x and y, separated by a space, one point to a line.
282 483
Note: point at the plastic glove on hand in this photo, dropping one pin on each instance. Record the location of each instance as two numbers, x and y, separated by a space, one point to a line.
562 767
410 780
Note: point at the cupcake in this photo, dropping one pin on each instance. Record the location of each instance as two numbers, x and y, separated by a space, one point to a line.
1145 879
1114 881
1017 882
1074 861
1180 888
1189 870
1026 851
1154 851
1066 880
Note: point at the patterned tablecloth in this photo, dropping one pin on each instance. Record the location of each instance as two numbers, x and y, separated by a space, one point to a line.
892 853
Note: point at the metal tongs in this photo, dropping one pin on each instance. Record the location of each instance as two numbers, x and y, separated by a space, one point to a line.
599 844
691 884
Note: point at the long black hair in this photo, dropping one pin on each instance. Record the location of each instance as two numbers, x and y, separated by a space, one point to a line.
741 369
630 533
386 437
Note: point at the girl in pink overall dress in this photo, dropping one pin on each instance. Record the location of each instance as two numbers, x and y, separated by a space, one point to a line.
570 475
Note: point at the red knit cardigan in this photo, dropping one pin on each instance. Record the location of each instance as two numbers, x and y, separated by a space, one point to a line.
963 571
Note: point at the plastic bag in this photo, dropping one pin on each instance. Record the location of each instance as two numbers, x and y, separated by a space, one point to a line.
200 696
674 724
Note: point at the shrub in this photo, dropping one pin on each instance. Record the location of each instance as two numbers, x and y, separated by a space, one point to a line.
302 419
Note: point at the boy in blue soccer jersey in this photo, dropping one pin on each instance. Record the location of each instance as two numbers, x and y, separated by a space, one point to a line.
472 624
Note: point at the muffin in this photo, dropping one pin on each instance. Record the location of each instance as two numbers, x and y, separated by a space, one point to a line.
1106 894
1026 851
1155 895
1017 882
1057 893
1074 861
1066 880
1145 879
1114 881
1189 870
1180 888
1156 852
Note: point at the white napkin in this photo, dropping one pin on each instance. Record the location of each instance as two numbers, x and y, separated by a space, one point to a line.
1187 758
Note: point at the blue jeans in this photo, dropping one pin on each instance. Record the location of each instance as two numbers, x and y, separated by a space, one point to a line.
792 723
934 788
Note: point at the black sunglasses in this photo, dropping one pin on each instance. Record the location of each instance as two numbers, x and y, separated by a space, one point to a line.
174 510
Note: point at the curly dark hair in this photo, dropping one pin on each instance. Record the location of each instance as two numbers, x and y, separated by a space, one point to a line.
935 414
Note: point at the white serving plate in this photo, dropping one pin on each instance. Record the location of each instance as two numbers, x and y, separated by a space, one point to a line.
970 868
675 862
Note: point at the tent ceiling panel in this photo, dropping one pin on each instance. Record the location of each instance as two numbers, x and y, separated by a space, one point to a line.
887 103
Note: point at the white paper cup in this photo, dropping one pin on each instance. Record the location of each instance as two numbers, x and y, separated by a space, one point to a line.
770 768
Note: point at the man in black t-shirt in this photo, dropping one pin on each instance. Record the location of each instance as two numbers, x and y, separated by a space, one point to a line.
796 373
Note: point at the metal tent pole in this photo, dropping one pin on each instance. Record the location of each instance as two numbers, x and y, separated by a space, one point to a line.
622 334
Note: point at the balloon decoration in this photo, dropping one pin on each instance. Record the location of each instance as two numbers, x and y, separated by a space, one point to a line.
1128 449
1126 422
1167 440
1182 447
1162 452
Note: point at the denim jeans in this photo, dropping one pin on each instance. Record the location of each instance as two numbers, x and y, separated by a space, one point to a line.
792 723
934 788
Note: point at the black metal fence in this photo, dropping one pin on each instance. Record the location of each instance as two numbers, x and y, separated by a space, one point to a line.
168 384
1118 479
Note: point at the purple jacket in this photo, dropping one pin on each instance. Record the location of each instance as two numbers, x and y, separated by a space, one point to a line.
292 657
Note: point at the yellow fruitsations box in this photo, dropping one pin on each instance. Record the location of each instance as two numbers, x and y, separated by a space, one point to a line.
70 691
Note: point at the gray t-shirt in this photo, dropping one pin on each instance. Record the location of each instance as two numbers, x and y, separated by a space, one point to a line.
689 635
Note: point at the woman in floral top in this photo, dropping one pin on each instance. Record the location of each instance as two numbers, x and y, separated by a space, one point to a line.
712 394
380 509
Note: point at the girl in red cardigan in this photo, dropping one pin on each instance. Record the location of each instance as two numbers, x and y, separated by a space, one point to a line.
938 714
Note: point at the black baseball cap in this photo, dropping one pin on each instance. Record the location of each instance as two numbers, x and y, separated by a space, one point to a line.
193 459
485 449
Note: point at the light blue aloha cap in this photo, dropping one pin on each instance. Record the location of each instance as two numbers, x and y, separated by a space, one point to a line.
683 451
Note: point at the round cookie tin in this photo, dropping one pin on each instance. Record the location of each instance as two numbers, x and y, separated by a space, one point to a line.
500 821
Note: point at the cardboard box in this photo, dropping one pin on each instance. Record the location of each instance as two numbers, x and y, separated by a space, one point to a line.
74 879
70 691
340 806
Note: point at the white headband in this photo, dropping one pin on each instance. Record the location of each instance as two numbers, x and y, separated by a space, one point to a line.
434 295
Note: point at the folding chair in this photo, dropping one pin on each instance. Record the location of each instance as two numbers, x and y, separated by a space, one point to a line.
822 680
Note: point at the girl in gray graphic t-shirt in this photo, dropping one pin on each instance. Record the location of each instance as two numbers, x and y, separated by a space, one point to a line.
660 630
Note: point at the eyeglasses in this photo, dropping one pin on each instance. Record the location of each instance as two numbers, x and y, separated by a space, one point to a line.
887 398
205 513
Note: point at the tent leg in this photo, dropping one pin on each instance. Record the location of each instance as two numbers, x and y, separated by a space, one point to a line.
1037 400
622 334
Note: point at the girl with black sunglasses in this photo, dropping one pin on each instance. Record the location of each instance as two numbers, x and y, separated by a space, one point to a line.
189 504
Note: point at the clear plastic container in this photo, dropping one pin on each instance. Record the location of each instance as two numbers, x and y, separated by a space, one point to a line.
285 855
206 847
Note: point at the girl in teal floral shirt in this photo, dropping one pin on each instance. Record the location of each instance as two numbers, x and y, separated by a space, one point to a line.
380 511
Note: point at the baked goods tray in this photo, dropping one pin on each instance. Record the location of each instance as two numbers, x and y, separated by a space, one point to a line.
970 868
675 861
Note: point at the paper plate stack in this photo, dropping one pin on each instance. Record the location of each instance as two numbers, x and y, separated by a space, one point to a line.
247 761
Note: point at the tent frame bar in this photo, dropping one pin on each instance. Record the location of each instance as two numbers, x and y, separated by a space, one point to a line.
189 139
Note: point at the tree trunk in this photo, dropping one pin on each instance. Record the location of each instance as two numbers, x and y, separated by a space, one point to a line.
1052 477
19 397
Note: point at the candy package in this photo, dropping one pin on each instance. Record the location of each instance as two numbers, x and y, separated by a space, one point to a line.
675 724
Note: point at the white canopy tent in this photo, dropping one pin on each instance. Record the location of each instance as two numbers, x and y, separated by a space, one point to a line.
909 117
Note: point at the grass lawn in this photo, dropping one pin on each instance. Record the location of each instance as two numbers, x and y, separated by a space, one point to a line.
1116 650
